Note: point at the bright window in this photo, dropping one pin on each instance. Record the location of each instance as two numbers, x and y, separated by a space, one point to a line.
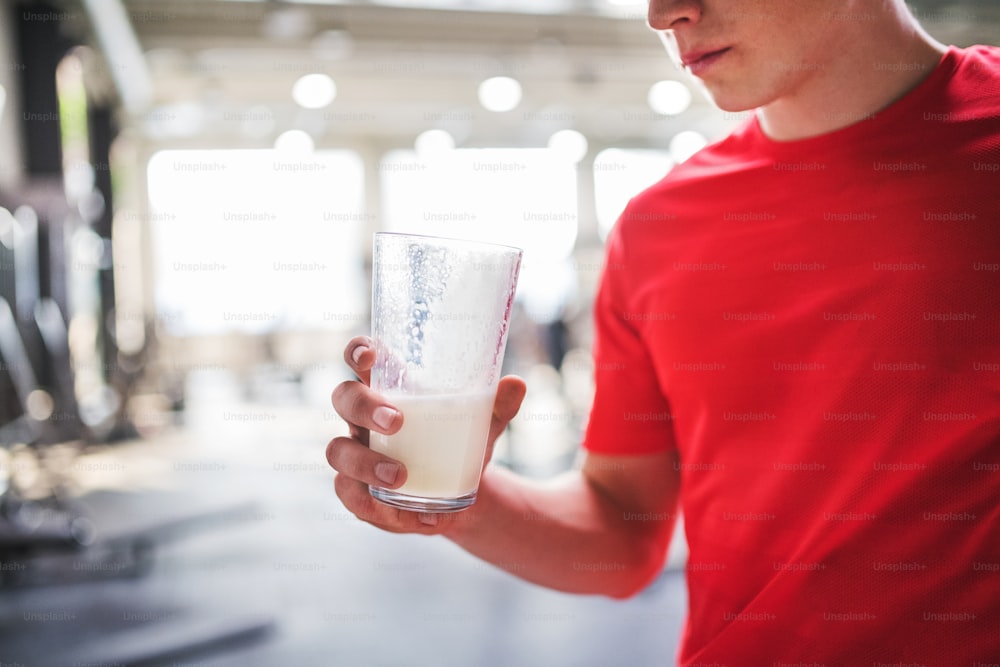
619 175
518 196
522 197
255 241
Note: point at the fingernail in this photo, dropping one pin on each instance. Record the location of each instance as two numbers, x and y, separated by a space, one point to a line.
383 416
358 351
387 472
428 519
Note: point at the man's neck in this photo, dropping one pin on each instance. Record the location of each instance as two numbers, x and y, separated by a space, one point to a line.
876 67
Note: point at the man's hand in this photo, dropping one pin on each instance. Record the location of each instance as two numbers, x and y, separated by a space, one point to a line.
358 466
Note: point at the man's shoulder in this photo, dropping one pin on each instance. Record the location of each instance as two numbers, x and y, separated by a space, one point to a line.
982 60
962 106
976 76
731 153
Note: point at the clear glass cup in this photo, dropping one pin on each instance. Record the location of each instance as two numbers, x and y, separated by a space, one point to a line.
440 315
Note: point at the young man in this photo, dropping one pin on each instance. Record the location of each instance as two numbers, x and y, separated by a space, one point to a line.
820 389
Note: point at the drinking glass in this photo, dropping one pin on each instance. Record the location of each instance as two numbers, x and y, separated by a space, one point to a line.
440 315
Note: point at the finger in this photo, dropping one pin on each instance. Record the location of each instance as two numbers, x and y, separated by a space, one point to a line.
359 434
362 407
359 501
510 394
360 357
351 458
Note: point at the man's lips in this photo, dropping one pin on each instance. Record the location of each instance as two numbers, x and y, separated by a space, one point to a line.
698 60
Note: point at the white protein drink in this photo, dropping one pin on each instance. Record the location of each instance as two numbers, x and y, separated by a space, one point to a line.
442 442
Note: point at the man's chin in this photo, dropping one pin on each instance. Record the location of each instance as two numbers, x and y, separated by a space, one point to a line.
730 104
738 109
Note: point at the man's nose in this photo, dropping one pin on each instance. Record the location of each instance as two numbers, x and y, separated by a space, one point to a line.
671 14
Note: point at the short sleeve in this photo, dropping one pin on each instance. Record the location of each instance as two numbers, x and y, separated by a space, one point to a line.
630 414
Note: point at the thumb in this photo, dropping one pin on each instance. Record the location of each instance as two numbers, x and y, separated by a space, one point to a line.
510 393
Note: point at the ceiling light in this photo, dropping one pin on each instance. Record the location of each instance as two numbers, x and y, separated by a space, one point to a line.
499 93
294 141
669 97
287 23
685 144
433 142
314 91
569 144
332 45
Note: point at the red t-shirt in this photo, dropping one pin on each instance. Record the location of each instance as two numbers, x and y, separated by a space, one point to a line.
814 326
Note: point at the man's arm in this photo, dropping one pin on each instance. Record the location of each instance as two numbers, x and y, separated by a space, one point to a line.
602 529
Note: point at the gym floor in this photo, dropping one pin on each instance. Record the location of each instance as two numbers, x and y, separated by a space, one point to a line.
219 542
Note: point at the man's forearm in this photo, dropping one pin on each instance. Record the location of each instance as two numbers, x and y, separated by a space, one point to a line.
563 533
